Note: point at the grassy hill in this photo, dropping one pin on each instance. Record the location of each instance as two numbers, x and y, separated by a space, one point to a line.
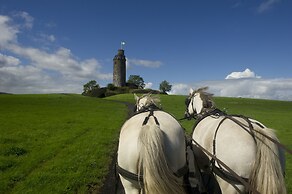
61 143
56 143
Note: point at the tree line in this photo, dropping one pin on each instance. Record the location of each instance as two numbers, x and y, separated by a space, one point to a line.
92 88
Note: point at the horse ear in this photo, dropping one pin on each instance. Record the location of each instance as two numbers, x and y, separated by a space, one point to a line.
136 97
191 91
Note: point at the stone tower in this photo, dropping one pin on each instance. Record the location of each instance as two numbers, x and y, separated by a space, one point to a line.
119 71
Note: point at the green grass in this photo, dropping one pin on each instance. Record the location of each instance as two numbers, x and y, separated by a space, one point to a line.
273 114
63 143
56 143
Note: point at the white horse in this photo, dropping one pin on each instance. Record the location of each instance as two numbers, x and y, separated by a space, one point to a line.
151 152
239 142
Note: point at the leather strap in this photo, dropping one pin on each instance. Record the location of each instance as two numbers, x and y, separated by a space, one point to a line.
234 174
139 178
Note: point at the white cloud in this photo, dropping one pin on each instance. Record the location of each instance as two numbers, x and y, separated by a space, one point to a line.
144 63
267 5
247 73
46 37
62 60
277 89
8 61
18 78
28 19
242 84
14 78
148 85
180 88
8 32
43 71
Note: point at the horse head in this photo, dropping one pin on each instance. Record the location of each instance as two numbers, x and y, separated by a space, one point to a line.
146 101
197 102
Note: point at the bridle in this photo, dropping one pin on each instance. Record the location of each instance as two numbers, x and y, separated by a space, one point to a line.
141 107
188 101
138 107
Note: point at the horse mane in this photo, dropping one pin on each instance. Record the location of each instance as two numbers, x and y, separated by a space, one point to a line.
206 97
151 100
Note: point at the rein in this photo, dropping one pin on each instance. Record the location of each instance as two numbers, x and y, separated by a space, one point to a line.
184 118
275 141
239 178
227 173
230 175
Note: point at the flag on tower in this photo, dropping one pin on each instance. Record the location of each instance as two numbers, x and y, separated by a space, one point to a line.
122 43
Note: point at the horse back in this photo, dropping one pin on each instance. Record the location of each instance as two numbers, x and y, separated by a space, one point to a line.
227 140
128 153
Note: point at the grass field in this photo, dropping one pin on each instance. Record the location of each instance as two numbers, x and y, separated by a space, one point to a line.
63 143
56 143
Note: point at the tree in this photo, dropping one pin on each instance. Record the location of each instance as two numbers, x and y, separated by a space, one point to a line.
165 86
136 80
111 86
89 87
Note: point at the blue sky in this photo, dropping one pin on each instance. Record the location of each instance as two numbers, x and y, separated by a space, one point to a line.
236 47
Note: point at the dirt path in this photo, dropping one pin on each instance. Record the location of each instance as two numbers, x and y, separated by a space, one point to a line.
112 185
